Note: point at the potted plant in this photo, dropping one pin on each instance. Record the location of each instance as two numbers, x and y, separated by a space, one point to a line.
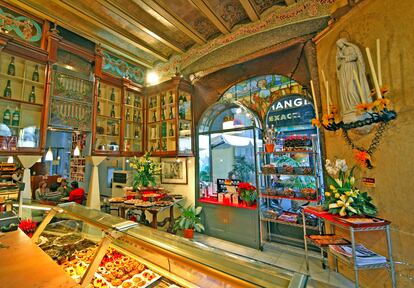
269 139
145 171
189 221
247 192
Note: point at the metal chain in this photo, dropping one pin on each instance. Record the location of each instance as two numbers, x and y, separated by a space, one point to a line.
374 143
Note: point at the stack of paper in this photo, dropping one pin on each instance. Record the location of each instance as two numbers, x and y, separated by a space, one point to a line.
364 256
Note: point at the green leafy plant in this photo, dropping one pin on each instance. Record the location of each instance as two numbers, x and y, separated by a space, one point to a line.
189 219
343 197
242 168
247 191
145 170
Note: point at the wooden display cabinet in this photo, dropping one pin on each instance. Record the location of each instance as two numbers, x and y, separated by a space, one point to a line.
133 125
22 85
169 118
108 109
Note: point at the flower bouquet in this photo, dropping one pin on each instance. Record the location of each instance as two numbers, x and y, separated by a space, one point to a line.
269 139
28 227
145 170
247 192
343 197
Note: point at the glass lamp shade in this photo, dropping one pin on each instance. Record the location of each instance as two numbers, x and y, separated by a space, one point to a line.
49 155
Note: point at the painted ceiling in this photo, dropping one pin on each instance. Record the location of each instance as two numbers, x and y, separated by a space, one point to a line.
154 33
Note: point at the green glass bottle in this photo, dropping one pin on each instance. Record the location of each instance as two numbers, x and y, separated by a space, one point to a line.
128 100
98 109
154 118
139 118
7 116
162 100
164 145
11 69
171 99
164 129
171 132
32 96
171 113
135 117
35 75
128 115
163 114
150 103
99 89
113 94
136 101
7 91
16 117
113 111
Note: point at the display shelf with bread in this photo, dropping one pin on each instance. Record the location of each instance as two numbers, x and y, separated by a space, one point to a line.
93 253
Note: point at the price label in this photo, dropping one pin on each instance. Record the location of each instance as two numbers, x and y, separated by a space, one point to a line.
368 182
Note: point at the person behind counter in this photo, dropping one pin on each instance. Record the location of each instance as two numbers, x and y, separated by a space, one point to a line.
64 189
77 194
54 195
41 192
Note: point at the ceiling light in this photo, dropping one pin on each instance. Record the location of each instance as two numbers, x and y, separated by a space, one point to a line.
49 155
10 160
76 152
152 78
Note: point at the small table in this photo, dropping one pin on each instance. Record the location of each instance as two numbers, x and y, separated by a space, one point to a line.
153 210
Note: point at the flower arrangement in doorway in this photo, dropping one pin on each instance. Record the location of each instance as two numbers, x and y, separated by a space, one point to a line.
343 197
247 192
145 170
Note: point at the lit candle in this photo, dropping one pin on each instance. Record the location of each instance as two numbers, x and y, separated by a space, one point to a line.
358 85
314 100
328 99
374 74
379 63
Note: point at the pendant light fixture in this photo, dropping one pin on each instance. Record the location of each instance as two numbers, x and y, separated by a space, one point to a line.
49 155
76 152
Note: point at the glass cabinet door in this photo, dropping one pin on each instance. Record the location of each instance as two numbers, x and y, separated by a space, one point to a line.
108 118
185 122
133 115
168 117
22 85
153 119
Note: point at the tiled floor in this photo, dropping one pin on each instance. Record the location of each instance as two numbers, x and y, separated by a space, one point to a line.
286 257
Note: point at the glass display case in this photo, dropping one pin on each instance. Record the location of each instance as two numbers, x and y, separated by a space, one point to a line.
108 118
134 122
169 118
22 85
97 249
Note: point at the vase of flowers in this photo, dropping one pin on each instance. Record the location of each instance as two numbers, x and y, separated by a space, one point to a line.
145 171
247 192
269 139
343 197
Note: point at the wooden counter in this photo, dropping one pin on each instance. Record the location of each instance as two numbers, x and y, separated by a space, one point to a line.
23 264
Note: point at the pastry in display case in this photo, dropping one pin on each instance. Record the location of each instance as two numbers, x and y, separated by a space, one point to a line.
101 250
22 85
108 118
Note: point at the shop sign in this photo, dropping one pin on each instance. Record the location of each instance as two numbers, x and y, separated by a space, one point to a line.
290 111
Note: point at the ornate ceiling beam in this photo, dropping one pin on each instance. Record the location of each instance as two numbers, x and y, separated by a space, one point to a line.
129 38
124 14
203 6
170 16
36 10
251 12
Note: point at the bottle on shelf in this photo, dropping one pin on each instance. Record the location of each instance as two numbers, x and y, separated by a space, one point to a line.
164 144
128 115
15 117
136 132
35 75
99 89
171 113
171 98
162 100
171 131
163 114
181 108
154 117
7 116
137 103
11 69
98 108
113 94
135 117
164 129
32 96
7 91
128 100
113 111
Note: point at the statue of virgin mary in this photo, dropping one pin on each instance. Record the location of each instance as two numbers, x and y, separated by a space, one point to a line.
349 59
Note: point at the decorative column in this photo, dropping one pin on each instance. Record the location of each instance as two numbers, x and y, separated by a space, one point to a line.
27 161
94 200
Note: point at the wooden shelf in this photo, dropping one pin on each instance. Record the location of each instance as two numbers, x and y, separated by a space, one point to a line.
109 117
106 135
20 101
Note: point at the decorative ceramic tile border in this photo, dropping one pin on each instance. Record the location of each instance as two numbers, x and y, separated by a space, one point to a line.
121 68
25 28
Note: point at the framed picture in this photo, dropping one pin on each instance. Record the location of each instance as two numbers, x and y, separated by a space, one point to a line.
174 170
